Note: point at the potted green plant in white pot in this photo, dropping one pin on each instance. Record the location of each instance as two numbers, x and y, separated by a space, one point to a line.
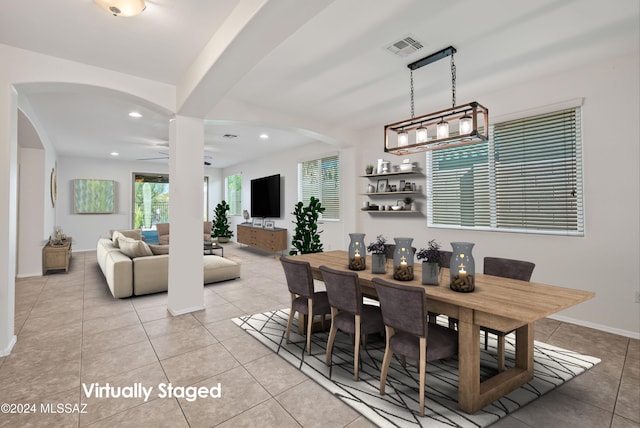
431 258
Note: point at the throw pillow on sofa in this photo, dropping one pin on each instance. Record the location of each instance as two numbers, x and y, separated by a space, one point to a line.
133 247
130 233
158 249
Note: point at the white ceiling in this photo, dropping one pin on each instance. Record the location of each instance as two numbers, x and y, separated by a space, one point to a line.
331 74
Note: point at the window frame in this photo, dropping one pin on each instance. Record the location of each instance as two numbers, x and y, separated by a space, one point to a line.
492 187
328 157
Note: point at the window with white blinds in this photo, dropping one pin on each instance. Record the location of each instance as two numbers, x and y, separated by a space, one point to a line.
526 178
321 178
233 194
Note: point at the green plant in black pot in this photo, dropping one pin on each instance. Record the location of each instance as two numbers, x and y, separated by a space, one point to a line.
306 238
221 228
431 258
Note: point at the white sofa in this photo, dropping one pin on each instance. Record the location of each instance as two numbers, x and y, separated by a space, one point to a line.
135 276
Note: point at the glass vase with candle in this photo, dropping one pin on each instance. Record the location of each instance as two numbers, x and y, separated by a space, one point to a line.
357 252
462 268
403 260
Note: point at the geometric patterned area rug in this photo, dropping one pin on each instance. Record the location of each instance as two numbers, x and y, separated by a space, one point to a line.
399 406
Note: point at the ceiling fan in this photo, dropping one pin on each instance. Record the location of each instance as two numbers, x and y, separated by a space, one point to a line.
207 158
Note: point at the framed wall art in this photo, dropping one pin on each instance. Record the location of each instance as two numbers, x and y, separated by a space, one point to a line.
93 196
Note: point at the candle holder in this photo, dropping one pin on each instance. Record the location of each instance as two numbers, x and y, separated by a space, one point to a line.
357 252
403 260
462 268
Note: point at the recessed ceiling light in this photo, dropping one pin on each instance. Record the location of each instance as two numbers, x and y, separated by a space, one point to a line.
135 114
115 154
264 136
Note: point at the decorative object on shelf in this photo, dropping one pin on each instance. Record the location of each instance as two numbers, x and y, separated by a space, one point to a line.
463 267
408 203
269 224
382 185
357 253
245 215
221 228
379 168
431 258
378 256
368 169
306 238
406 166
470 122
386 167
403 260
257 222
371 188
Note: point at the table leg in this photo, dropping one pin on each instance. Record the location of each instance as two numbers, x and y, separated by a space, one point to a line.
524 348
473 395
468 361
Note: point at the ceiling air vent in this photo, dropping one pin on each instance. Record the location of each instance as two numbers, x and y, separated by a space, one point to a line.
405 46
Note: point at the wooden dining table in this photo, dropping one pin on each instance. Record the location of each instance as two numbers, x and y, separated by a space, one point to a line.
499 303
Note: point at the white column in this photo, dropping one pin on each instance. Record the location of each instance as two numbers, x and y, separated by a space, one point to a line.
8 213
186 177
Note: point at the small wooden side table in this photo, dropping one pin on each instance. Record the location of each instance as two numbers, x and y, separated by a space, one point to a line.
56 255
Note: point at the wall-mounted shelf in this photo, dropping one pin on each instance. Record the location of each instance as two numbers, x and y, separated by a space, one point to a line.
398 194
404 192
393 212
389 174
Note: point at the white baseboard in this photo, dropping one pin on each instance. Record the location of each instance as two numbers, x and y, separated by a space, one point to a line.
28 275
183 311
620 332
7 350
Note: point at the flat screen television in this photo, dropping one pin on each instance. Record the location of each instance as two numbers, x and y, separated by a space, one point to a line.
265 196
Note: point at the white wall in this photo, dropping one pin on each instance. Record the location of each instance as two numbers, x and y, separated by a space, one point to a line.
30 210
607 259
334 235
87 228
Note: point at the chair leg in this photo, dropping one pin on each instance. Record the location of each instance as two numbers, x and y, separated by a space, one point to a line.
403 361
486 340
386 360
289 322
356 350
332 336
423 369
309 325
500 353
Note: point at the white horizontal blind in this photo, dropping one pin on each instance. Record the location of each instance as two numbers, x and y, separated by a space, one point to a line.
321 178
234 194
536 172
460 186
528 177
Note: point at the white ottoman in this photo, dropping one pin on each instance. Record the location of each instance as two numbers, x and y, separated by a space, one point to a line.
218 269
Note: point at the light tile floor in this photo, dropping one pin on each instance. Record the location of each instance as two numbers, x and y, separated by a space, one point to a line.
72 332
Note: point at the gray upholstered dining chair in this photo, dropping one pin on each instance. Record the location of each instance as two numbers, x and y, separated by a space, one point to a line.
348 313
304 298
404 312
506 268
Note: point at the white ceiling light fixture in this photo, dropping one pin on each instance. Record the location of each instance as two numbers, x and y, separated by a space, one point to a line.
455 126
264 136
122 7
135 114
